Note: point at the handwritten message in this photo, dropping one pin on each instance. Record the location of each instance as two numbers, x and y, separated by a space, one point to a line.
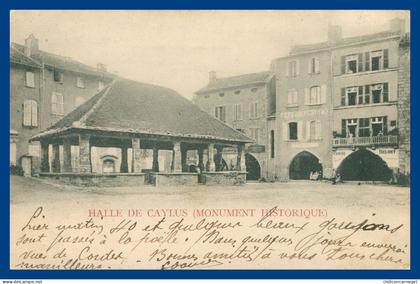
203 238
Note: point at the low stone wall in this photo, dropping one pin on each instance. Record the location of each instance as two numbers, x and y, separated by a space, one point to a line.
100 180
173 179
224 178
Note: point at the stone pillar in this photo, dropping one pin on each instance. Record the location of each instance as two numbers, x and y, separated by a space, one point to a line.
67 156
184 160
56 158
200 159
124 159
240 159
211 167
155 166
136 160
176 158
85 165
219 158
45 163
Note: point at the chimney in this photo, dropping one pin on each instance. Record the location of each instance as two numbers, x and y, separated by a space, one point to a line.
397 26
31 45
212 76
334 34
101 67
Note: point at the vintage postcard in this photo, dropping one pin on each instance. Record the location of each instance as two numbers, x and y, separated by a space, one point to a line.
209 139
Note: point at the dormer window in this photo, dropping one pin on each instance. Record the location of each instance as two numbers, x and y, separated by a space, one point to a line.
221 94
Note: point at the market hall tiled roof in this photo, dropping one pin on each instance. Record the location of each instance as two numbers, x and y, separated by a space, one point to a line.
127 106
236 81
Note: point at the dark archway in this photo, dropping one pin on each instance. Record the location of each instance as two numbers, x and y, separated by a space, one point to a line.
303 164
363 165
253 168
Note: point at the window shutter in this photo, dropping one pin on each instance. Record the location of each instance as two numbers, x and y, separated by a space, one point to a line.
386 59
285 131
27 113
308 130
343 96
30 79
34 113
367 61
318 129
310 62
297 67
323 94
316 65
385 124
360 63
306 96
343 65
300 130
343 128
385 92
287 68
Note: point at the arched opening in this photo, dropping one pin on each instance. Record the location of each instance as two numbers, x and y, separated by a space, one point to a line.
303 164
363 165
108 166
252 167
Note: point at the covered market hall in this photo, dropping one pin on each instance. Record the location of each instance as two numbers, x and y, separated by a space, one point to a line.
134 116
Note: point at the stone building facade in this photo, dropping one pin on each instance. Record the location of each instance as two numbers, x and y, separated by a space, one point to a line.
245 103
343 96
43 88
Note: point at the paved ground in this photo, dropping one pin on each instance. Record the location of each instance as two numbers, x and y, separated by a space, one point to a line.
25 191
344 202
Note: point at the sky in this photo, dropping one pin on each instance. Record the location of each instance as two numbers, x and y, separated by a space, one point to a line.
177 49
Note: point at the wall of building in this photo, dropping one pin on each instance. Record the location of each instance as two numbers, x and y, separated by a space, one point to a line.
301 113
246 96
19 92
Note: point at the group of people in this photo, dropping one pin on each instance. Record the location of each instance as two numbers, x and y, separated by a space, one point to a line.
315 175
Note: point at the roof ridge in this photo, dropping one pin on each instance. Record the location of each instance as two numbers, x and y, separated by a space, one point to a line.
81 122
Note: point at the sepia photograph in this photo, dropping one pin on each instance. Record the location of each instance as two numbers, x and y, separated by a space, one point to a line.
209 139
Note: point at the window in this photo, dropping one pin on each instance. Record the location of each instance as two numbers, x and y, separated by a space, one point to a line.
254 90
351 127
30 79
351 94
30 113
220 113
58 76
351 63
100 85
80 83
293 131
292 68
237 92
237 111
376 59
253 110
378 125
57 103
34 149
364 127
313 130
315 95
314 65
272 154
79 100
221 94
254 133
292 98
